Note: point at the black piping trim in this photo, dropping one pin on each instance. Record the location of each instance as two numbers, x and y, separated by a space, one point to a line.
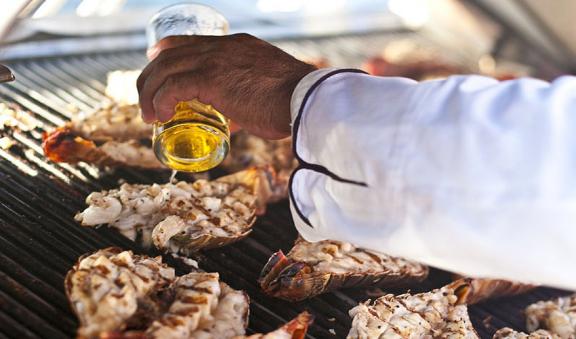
305 165
291 197
324 170
296 125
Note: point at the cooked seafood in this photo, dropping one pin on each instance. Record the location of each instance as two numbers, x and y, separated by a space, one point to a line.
557 316
185 217
249 150
13 116
508 333
115 293
63 145
295 329
113 122
121 86
482 289
435 314
553 319
203 307
115 135
112 136
104 288
310 269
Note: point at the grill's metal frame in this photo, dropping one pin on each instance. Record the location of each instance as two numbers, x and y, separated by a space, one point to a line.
39 240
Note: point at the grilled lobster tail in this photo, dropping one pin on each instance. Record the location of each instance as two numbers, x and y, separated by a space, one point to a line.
482 289
435 314
294 329
314 268
117 294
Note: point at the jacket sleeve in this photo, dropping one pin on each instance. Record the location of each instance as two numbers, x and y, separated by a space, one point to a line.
466 174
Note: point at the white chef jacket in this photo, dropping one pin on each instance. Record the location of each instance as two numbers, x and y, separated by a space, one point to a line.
466 174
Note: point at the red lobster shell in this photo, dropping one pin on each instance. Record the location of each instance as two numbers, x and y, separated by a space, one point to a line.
294 329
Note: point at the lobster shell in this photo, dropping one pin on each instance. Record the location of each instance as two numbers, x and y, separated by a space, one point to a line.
259 180
293 280
117 294
64 145
483 289
296 328
436 314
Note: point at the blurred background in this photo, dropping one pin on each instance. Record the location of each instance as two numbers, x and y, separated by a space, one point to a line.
416 38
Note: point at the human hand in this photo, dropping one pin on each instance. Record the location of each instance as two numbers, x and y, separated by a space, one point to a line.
247 79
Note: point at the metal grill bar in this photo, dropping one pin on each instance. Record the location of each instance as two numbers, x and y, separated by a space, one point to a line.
36 324
40 241
15 328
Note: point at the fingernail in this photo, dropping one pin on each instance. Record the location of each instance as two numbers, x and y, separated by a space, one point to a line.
146 119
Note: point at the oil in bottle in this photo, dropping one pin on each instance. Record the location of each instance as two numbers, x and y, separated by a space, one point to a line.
196 139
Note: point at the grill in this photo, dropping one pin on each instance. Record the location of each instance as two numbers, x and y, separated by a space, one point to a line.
40 241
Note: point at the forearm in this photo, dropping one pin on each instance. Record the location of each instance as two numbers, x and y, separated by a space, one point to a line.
466 174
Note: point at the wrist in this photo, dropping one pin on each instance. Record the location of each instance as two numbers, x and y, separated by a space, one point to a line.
303 87
283 119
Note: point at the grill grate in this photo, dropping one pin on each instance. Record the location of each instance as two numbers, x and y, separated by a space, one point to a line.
40 241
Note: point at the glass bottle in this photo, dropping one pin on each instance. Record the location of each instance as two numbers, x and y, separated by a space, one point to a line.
197 137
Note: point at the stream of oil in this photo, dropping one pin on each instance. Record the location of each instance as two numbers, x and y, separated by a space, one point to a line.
173 177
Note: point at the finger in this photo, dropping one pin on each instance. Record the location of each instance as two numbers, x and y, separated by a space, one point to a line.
234 127
162 71
168 43
176 41
146 107
167 57
179 87
148 117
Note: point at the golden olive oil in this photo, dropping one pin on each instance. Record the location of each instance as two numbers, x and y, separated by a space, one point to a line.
172 179
196 139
